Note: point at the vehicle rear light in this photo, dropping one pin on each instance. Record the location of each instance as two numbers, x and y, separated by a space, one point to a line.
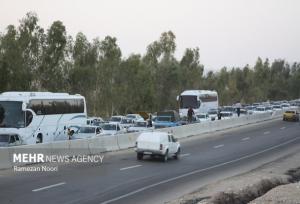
160 147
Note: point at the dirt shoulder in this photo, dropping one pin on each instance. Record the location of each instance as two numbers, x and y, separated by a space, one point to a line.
275 182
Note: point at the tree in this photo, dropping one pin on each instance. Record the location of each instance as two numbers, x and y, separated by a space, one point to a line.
53 58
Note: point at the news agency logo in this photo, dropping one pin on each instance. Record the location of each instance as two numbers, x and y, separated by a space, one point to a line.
41 158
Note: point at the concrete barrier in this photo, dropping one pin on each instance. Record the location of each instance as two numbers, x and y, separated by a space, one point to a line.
112 143
5 158
126 141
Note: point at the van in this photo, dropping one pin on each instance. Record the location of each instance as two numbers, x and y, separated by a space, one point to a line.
160 144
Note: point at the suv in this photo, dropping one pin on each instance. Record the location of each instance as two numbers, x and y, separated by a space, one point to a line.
160 144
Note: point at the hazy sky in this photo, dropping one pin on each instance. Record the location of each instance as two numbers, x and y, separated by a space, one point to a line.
228 32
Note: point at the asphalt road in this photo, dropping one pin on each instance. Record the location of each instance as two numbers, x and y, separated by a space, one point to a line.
123 179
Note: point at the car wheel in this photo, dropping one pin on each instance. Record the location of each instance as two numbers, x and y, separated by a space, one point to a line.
177 154
139 156
166 156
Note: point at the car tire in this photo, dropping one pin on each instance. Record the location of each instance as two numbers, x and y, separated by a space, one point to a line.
177 154
139 156
165 156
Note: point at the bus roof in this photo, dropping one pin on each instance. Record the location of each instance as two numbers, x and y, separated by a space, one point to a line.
25 96
198 92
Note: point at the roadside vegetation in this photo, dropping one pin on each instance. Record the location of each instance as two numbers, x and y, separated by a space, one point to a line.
36 59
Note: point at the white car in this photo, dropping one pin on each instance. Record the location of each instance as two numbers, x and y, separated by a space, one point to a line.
116 119
203 117
135 117
285 106
94 121
260 109
111 129
126 123
160 144
269 109
213 114
87 132
226 114
277 107
139 127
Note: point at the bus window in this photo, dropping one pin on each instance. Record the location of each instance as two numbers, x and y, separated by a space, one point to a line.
29 117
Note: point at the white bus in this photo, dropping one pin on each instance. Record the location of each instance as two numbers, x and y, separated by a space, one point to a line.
38 117
201 101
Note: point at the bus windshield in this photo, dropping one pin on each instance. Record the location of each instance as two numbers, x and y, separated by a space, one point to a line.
11 114
189 101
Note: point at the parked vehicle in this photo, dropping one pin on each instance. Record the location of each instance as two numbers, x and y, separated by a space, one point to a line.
135 117
111 129
243 111
116 119
166 119
87 131
213 114
203 117
38 117
200 100
127 122
269 109
277 107
160 144
250 109
226 114
95 121
139 127
285 106
291 115
164 122
259 109
184 120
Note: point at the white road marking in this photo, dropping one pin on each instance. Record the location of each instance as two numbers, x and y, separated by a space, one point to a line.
282 128
47 187
130 167
268 132
218 146
246 138
198 171
185 155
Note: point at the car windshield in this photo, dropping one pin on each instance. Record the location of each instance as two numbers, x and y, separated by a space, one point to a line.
226 114
211 112
11 114
131 116
109 127
277 107
4 138
201 116
115 119
87 130
141 124
126 121
228 108
293 112
260 109
163 119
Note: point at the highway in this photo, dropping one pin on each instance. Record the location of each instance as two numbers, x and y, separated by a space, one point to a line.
123 179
